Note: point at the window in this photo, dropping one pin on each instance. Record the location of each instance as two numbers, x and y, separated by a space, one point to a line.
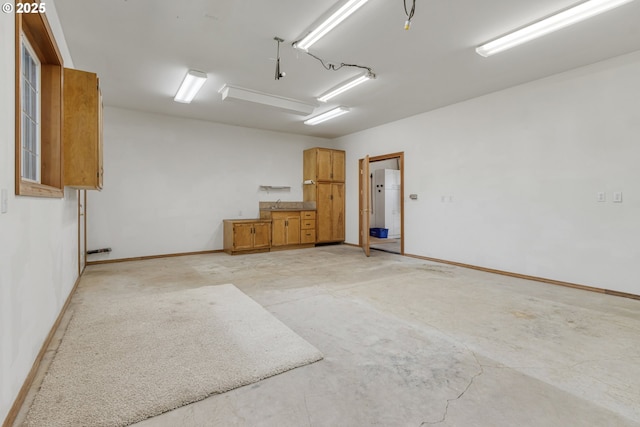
38 108
30 114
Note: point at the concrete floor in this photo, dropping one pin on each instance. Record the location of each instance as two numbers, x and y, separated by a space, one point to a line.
410 343
387 244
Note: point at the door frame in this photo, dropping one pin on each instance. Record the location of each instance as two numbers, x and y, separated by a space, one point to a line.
365 206
82 230
400 156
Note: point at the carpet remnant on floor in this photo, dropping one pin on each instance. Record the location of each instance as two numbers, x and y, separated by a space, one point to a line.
122 361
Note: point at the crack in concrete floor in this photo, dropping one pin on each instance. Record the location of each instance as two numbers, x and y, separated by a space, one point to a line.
446 409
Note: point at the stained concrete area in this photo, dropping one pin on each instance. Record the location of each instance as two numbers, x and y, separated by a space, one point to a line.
410 343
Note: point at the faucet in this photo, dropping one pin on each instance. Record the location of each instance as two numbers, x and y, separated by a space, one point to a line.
277 205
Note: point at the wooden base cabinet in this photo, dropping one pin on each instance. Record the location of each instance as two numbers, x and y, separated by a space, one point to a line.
82 130
247 236
307 227
285 228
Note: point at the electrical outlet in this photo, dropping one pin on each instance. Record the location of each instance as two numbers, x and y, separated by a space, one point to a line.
602 196
617 197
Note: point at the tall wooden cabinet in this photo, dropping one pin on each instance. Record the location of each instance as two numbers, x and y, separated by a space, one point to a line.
326 169
330 212
82 130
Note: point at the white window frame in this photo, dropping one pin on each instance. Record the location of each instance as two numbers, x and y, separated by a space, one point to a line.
25 84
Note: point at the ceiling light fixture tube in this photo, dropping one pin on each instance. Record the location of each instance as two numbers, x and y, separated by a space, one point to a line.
330 23
548 25
345 86
190 86
328 115
289 105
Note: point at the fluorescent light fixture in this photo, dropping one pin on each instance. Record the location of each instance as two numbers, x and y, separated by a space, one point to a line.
548 25
330 23
287 104
328 115
190 86
345 86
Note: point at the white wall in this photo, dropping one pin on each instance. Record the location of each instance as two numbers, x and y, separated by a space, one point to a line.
523 167
169 182
38 242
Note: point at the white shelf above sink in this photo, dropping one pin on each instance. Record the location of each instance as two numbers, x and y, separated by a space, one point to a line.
275 187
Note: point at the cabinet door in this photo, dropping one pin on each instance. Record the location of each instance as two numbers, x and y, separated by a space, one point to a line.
337 211
242 236
324 168
293 229
279 229
261 235
323 212
100 141
82 130
337 166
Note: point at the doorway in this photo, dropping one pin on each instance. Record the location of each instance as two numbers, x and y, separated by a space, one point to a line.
381 203
82 230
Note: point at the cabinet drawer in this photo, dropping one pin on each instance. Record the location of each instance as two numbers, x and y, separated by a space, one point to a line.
308 236
308 224
308 215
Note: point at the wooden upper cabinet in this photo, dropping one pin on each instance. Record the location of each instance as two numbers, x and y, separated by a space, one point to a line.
82 130
324 164
337 165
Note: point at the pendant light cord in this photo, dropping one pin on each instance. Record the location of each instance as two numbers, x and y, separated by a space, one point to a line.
409 13
335 67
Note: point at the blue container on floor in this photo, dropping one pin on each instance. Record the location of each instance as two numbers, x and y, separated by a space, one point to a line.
379 232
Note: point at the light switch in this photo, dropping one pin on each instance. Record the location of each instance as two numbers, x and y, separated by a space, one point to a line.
602 196
4 200
617 197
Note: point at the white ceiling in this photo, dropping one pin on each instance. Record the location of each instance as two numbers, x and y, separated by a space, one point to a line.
141 50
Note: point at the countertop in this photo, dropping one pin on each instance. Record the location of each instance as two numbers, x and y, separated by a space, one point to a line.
287 206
